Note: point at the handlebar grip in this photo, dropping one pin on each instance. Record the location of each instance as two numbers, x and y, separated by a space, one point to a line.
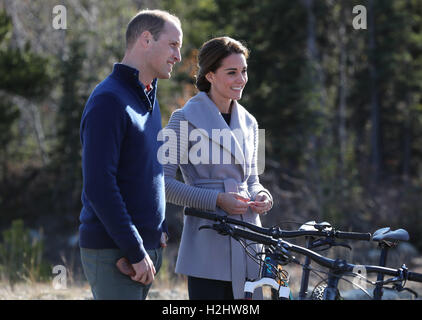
353 235
413 276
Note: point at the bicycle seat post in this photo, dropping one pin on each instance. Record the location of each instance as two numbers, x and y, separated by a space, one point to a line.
378 291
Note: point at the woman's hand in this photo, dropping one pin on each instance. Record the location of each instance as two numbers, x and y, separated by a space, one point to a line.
261 204
232 203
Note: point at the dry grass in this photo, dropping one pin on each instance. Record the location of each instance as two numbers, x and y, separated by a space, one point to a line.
46 291
162 289
169 286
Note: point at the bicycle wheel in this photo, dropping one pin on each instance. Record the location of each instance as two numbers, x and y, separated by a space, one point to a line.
319 290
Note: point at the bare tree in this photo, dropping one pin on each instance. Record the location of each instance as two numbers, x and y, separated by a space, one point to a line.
375 106
318 102
342 134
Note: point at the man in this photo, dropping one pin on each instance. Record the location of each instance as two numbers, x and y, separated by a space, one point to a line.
123 183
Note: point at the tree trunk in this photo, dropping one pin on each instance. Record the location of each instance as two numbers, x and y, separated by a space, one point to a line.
18 32
31 110
342 134
318 105
407 138
375 161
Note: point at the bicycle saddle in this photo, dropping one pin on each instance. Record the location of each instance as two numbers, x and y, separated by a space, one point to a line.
386 234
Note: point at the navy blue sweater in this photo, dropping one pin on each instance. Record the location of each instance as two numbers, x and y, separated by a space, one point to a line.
123 183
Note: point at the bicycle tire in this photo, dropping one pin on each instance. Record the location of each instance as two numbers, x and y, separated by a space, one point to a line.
319 290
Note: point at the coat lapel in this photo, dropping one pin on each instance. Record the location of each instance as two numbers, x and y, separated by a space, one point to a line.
202 113
241 133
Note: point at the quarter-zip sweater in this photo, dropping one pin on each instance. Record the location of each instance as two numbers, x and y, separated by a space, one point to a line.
123 183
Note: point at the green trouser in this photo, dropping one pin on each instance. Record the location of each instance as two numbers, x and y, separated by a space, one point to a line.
107 282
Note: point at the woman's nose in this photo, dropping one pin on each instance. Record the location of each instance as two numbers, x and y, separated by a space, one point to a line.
242 79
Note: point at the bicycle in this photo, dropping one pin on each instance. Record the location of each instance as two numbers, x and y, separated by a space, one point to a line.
386 239
280 252
317 235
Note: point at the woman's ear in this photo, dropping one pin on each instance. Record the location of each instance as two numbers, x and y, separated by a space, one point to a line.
209 76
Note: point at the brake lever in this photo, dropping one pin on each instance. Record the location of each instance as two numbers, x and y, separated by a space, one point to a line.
400 288
328 242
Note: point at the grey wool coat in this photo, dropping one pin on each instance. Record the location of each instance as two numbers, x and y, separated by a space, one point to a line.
210 165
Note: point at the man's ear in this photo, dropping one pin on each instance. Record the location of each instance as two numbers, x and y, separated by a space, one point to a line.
145 38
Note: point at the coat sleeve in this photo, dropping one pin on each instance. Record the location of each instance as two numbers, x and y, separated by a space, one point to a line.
178 192
254 186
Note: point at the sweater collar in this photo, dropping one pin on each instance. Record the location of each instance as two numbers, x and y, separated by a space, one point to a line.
130 76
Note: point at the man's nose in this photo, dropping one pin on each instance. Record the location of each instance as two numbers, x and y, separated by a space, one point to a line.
178 56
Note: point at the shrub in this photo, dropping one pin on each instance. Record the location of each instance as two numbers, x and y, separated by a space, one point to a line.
21 256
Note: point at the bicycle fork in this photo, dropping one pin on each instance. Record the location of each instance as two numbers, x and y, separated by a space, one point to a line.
330 293
334 276
271 277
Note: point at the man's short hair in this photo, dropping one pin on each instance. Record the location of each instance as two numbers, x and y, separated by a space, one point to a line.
148 20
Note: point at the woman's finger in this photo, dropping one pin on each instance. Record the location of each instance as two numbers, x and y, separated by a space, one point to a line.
262 203
240 197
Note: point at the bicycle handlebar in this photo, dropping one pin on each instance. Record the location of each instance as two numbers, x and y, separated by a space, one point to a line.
353 235
277 232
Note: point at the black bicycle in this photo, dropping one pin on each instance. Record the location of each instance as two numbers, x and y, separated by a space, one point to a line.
386 239
279 252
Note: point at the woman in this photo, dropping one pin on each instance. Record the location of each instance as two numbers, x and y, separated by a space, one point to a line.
224 137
